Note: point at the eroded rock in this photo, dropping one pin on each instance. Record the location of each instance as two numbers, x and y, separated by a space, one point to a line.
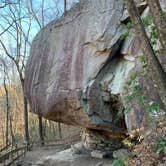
100 140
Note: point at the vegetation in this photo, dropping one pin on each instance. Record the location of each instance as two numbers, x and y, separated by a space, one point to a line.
128 27
120 162
160 147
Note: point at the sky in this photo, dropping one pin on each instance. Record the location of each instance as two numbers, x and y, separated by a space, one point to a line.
53 9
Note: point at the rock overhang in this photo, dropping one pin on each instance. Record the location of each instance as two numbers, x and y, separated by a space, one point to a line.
75 73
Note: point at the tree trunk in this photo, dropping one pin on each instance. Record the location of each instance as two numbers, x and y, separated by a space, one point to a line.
59 130
41 130
26 127
154 67
54 131
45 128
159 20
42 13
65 6
7 112
11 132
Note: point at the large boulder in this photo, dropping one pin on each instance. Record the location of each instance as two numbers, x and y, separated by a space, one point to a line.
65 74
79 66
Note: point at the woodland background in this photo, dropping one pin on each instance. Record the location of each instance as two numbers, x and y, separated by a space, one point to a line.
20 20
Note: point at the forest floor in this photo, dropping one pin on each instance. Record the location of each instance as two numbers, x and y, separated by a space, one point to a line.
152 150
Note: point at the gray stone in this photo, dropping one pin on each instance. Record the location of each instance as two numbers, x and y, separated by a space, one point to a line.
121 153
97 154
79 149
99 164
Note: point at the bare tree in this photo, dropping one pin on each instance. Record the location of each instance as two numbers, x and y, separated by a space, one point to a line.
5 3
19 56
4 68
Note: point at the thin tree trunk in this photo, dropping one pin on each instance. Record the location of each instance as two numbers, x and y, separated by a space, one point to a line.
7 112
45 128
65 6
41 130
26 127
59 130
159 20
155 69
54 131
3 134
42 13
11 131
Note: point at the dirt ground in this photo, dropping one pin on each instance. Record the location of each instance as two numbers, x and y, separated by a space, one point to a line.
59 153
60 156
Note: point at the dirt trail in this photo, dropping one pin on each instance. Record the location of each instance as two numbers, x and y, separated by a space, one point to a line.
60 156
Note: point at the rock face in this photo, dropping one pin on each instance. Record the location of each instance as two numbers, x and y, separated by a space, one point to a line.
69 69
79 66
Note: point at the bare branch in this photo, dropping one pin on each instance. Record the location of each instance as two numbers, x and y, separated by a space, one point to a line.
31 11
6 51
6 3
6 28
10 24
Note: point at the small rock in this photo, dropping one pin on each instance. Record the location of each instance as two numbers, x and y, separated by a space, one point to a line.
107 148
121 153
101 145
38 163
97 154
78 149
129 58
99 164
164 159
